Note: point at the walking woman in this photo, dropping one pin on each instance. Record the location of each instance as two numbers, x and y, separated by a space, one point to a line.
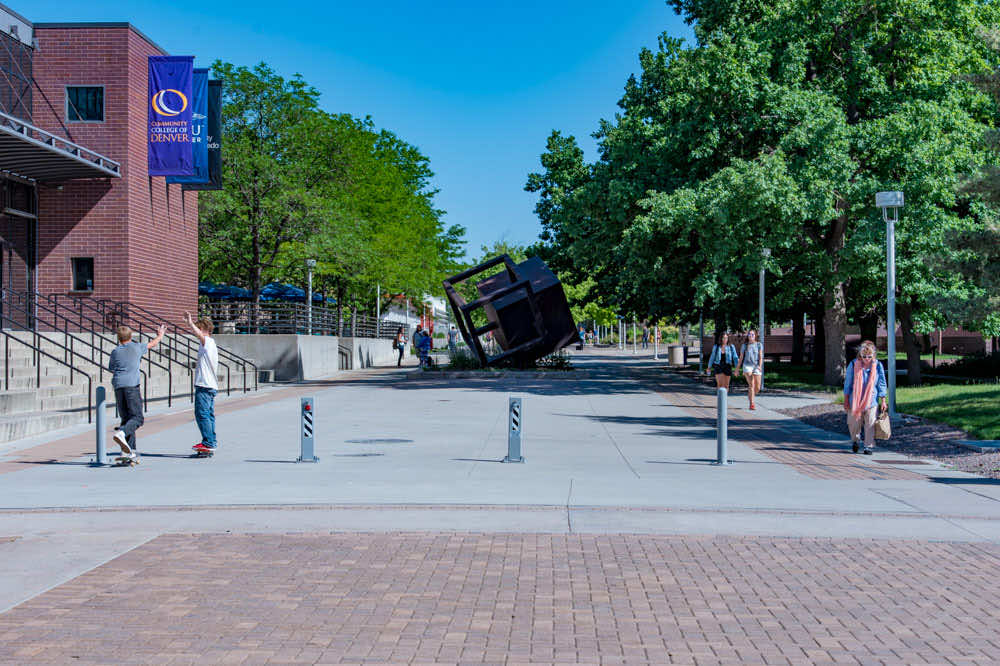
752 363
400 344
722 360
864 384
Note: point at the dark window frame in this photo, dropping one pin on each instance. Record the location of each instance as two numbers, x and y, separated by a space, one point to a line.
73 275
70 111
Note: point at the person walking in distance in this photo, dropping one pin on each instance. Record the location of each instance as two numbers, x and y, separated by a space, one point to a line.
124 366
645 336
722 360
400 344
453 339
864 384
206 384
752 364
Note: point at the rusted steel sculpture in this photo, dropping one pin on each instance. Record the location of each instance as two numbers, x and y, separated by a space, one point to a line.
525 309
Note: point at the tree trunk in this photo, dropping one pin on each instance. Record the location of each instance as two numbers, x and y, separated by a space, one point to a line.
720 323
869 326
911 342
257 279
340 311
834 325
798 337
819 340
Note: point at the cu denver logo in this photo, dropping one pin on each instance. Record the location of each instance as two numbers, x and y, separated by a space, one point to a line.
165 99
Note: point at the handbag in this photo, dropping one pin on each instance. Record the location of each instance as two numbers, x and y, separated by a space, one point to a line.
883 427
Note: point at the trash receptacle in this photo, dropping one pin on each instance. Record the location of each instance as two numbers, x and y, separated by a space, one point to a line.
676 355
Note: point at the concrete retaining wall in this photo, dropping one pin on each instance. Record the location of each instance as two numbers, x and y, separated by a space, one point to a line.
292 357
371 352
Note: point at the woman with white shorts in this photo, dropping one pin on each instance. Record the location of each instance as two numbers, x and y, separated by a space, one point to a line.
752 362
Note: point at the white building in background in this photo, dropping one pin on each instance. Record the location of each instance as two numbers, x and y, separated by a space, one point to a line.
436 310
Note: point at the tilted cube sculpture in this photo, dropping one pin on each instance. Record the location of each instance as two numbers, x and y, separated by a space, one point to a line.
525 309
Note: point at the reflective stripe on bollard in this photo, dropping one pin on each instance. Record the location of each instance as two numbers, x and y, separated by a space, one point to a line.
514 416
722 429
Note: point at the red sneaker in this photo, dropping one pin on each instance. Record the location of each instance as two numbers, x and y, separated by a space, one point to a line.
753 407
200 446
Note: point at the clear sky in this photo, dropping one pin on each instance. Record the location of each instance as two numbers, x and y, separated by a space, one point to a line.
477 86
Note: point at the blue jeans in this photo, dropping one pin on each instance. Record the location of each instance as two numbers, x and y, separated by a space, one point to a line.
204 414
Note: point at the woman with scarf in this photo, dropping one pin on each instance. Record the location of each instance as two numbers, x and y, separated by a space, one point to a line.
864 384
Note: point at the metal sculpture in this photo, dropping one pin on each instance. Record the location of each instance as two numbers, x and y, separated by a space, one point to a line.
525 310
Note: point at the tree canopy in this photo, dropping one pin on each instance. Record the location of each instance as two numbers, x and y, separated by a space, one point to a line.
303 183
775 130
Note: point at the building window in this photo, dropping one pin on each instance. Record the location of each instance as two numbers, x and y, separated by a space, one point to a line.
85 104
83 273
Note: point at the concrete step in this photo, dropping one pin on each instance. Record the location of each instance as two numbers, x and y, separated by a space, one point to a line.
27 425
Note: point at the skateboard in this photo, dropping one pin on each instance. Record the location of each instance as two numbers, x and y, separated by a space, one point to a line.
202 454
122 461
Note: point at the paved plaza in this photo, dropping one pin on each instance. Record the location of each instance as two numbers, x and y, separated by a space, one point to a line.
617 541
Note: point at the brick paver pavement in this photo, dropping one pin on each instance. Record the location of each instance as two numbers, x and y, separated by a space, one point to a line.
519 598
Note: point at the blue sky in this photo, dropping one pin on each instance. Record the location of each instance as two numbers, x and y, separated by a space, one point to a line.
476 86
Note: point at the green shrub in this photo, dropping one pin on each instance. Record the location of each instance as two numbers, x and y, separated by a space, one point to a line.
980 365
463 359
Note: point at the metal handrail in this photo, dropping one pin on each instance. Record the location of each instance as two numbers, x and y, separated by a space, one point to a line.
38 368
224 353
103 323
69 352
47 139
293 318
123 311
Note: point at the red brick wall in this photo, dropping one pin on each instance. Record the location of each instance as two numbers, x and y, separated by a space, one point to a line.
144 243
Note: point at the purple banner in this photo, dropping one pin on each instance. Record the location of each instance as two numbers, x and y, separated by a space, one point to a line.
170 106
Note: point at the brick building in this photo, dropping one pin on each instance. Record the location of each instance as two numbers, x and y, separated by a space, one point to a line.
81 215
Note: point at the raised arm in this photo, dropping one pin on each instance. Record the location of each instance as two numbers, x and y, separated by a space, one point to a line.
160 330
197 331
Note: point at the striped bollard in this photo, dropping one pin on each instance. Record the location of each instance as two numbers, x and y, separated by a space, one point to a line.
308 441
514 432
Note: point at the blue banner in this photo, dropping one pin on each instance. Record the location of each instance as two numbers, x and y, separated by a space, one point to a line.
199 130
214 137
170 83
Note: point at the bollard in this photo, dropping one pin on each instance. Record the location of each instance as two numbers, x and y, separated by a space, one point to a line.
308 453
722 429
514 432
102 451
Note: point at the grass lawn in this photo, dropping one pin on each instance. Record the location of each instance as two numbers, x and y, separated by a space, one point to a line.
975 408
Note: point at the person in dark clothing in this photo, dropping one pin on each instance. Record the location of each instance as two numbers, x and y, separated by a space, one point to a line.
124 366
400 344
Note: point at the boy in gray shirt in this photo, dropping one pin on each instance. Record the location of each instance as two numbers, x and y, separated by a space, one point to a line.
124 367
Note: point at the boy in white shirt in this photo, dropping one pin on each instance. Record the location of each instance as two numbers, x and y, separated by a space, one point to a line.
206 384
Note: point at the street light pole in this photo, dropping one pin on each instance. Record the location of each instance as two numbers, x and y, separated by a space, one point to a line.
701 341
766 252
310 265
378 308
894 201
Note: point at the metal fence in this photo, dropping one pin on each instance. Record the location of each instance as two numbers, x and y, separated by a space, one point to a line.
292 318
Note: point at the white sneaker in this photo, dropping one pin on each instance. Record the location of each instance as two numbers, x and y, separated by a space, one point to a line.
122 442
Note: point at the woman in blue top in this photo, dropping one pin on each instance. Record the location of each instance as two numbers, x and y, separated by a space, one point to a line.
722 360
864 384
752 363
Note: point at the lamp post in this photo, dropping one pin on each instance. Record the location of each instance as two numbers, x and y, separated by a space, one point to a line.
893 201
378 308
310 265
765 253
701 343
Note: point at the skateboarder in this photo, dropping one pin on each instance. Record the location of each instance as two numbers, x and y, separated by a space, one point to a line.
206 384
124 366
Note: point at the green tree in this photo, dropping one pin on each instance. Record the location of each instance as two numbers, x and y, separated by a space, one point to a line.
775 130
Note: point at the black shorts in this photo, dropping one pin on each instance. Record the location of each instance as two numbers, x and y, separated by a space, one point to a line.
723 369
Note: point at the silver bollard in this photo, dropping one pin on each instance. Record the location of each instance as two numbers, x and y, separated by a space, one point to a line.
308 440
102 450
722 429
514 432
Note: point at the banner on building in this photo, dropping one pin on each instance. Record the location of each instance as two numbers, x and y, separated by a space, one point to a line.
199 128
213 140
170 115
